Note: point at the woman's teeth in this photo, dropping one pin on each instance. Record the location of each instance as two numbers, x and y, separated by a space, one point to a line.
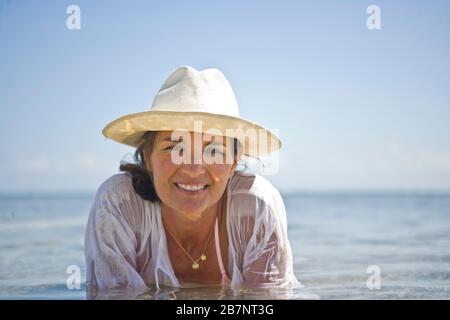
191 187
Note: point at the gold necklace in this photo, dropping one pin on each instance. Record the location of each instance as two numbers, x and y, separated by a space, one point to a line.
195 262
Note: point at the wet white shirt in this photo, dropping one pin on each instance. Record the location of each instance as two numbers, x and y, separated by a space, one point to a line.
125 242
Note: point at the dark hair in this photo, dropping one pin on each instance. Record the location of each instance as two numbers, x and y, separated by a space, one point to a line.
141 178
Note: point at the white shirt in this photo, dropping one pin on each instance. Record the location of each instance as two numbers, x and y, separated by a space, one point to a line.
125 242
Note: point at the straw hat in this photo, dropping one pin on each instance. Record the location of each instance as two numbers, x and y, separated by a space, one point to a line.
196 101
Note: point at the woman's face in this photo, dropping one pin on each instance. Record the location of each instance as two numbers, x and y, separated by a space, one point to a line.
190 170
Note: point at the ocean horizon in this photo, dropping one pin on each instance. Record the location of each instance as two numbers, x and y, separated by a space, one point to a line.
340 240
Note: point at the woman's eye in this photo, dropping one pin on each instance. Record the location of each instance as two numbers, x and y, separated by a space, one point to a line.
216 150
175 147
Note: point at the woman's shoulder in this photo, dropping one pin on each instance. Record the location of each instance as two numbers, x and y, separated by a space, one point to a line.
254 204
252 186
117 183
117 189
252 183
116 195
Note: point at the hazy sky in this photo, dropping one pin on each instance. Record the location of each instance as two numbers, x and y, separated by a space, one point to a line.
356 109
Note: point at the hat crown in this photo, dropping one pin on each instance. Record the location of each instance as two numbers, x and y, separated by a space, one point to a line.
196 101
191 90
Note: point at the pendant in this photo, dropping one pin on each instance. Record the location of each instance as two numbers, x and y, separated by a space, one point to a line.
195 265
203 257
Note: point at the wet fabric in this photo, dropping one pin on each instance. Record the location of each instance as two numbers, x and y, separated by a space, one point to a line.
125 242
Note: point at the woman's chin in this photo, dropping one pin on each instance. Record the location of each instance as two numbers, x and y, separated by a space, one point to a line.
191 210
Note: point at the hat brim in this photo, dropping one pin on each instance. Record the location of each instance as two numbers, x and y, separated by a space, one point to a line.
129 129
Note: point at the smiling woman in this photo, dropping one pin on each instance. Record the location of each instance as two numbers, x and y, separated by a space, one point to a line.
182 215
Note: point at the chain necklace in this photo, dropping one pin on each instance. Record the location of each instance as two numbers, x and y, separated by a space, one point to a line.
195 262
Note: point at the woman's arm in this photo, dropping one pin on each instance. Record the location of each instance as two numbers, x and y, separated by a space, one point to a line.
110 245
261 242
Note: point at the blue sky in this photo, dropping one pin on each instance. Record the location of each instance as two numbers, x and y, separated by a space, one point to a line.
356 109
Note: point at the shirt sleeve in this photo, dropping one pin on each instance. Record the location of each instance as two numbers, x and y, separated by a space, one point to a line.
110 243
261 242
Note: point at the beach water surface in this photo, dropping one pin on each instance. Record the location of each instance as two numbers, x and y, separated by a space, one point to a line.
400 242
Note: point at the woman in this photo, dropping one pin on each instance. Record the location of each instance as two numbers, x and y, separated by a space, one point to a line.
183 215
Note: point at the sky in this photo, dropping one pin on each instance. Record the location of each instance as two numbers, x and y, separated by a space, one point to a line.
356 109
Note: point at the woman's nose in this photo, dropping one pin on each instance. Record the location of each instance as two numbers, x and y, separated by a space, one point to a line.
193 169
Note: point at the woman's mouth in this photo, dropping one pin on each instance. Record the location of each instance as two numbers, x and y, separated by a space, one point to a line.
192 188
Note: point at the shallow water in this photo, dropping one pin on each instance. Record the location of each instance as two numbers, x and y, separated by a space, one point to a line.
334 238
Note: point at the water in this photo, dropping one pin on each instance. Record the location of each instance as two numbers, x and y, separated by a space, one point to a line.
334 238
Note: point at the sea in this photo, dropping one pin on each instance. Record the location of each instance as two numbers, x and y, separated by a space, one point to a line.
345 246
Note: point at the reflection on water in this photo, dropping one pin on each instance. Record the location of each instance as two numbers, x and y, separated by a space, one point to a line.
334 239
203 293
